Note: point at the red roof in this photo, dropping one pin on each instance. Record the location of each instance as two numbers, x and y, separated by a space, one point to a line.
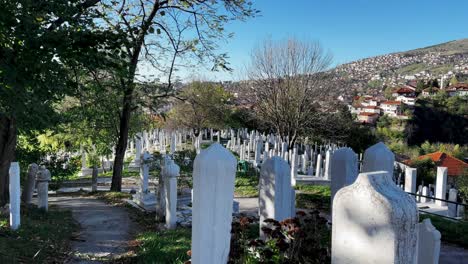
392 102
367 114
458 86
441 159
404 90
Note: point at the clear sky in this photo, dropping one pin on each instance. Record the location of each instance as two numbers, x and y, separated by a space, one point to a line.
349 29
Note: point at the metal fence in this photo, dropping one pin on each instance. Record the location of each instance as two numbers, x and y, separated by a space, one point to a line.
457 205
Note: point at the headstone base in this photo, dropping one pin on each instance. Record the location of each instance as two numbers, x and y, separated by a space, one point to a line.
145 199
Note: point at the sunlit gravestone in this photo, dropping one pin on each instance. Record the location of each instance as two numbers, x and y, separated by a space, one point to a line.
213 183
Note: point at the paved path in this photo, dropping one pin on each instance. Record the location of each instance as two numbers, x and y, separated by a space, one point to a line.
105 230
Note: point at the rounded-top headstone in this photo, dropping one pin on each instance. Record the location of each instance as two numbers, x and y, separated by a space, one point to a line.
43 174
214 173
378 158
172 169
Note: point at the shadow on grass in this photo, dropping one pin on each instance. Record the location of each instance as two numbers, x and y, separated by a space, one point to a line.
43 237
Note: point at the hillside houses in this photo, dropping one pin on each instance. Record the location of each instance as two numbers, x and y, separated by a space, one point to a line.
460 89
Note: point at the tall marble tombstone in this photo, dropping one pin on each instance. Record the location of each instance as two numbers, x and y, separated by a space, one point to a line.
374 221
441 185
275 189
343 169
15 192
214 171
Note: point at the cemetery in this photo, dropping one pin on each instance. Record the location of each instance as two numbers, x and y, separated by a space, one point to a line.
199 211
218 132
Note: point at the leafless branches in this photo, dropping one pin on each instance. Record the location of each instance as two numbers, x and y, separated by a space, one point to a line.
285 84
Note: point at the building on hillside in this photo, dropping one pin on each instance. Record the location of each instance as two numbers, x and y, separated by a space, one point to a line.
406 91
391 108
429 92
406 100
459 89
455 167
370 109
368 118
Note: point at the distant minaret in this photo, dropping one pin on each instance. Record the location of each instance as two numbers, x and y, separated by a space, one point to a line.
442 82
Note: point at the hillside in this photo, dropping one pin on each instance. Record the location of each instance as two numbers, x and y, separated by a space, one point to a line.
375 73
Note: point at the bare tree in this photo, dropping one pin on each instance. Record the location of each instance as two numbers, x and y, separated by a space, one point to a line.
285 86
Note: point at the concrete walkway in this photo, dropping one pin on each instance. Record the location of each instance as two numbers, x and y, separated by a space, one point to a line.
105 230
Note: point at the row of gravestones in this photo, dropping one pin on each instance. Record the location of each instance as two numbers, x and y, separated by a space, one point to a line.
373 220
38 177
424 194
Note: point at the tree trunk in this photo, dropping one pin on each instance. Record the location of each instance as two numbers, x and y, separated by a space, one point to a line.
116 185
7 154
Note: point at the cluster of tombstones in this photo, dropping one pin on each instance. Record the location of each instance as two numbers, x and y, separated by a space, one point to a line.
38 177
373 220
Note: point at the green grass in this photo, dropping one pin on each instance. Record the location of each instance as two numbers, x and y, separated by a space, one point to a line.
168 246
42 237
313 197
246 185
455 232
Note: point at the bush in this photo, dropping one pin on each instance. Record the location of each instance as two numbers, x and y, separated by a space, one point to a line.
462 185
61 168
302 239
426 171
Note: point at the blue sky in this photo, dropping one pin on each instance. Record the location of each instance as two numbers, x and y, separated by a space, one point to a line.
349 29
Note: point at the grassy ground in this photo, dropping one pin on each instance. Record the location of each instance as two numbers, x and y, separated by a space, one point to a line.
167 246
42 238
246 185
455 232
313 197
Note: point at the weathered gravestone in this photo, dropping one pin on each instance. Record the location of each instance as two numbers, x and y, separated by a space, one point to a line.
42 178
213 183
30 183
144 197
374 221
170 174
275 199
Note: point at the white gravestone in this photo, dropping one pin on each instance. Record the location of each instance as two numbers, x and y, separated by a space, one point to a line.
144 197
452 208
343 170
172 171
274 191
42 178
441 185
294 167
428 243
410 180
30 183
214 171
318 168
425 192
305 160
378 158
326 173
15 193
374 222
